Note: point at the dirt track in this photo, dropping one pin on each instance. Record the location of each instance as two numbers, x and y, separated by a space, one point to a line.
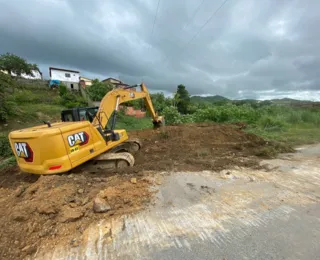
39 212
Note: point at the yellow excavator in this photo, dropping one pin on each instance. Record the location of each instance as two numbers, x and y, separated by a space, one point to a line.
60 147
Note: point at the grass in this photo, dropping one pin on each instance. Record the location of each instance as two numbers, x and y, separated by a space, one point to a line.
132 123
294 135
8 162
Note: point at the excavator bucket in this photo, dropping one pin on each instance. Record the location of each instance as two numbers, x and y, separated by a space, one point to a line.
158 123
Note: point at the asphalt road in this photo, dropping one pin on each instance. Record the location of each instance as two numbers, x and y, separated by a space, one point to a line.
235 214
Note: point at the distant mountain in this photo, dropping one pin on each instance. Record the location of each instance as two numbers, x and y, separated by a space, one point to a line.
289 100
210 99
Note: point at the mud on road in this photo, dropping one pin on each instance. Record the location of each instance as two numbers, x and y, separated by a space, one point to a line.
39 212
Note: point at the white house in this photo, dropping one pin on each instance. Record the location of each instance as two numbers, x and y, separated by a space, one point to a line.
70 78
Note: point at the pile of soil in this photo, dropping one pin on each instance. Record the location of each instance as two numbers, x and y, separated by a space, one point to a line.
197 147
39 211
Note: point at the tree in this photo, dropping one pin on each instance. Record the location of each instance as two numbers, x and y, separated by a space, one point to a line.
17 65
98 89
182 99
159 101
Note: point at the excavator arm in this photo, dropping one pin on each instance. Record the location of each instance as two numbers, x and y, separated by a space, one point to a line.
110 103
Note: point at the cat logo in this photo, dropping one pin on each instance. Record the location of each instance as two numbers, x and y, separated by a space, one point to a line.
23 150
80 138
132 95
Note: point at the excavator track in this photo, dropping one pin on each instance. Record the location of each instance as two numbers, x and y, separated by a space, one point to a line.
118 157
132 145
109 162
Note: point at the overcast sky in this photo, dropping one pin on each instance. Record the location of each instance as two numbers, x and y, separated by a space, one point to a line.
249 49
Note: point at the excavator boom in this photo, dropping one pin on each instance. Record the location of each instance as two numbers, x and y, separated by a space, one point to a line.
110 103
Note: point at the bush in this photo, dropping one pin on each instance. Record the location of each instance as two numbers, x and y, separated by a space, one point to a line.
5 148
172 116
71 100
63 90
270 123
25 96
7 107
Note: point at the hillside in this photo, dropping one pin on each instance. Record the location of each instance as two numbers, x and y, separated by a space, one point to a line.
208 99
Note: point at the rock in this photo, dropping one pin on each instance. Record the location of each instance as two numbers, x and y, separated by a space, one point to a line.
44 233
133 180
19 191
70 215
97 179
89 184
29 249
251 179
16 242
70 199
80 191
74 243
100 205
126 200
85 201
19 216
73 205
47 209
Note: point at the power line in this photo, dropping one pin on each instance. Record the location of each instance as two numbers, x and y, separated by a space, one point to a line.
210 18
197 33
194 14
155 18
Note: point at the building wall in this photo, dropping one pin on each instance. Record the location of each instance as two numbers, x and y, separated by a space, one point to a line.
71 85
87 81
61 75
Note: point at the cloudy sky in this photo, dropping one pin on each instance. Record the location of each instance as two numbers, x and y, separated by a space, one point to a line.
246 49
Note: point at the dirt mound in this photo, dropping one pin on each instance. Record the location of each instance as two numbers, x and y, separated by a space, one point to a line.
196 147
60 207
40 211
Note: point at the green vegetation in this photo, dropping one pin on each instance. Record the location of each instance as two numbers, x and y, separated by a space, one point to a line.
5 149
70 99
182 99
98 89
17 65
286 124
132 123
6 106
8 162
209 99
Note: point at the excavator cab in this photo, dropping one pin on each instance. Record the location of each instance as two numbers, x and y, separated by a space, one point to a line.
79 114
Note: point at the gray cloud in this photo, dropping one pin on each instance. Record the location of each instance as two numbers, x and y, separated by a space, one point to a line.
250 48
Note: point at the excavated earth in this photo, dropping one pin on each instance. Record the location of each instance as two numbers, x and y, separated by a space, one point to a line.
41 211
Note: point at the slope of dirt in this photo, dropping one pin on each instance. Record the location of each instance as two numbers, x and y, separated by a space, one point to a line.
196 147
39 211
44 210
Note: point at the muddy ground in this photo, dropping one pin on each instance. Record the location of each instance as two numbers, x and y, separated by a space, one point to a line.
40 211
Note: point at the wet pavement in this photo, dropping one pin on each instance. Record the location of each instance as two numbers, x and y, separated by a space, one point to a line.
239 213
